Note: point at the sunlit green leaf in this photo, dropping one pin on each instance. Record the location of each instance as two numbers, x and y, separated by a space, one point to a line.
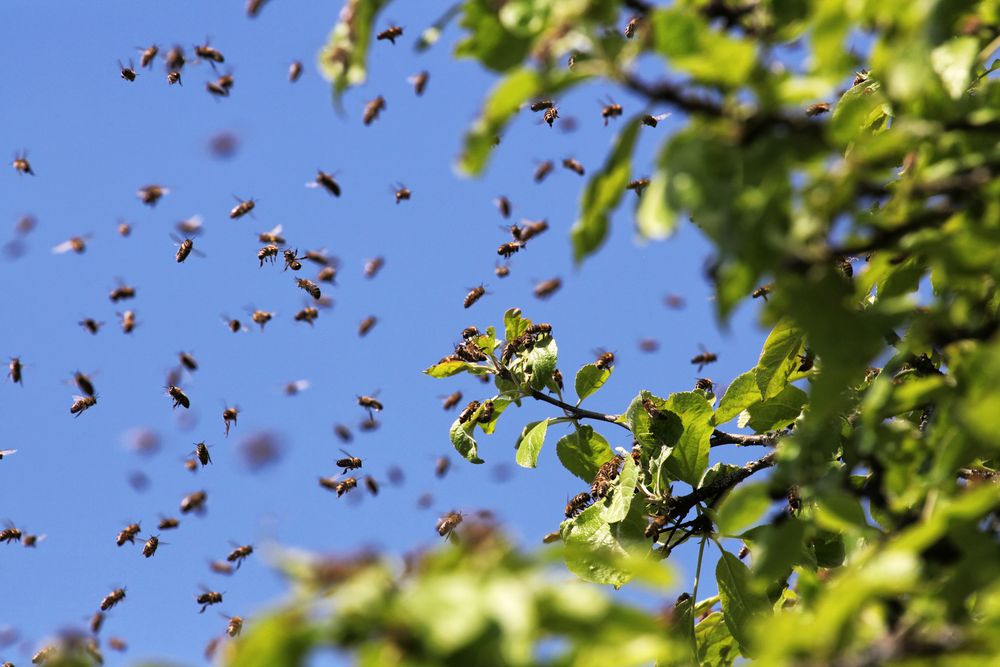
953 61
531 444
465 444
690 456
623 492
589 379
741 605
779 358
583 451
741 394
776 412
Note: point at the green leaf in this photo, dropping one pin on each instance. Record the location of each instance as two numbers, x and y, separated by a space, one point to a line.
693 47
431 34
541 361
741 605
282 639
589 379
342 59
583 451
690 456
531 444
776 412
488 40
500 404
603 192
779 358
514 324
839 511
448 368
741 394
953 61
653 216
742 508
623 493
592 553
653 434
465 444
716 646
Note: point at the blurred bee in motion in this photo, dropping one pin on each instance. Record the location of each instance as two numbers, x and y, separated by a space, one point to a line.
174 77
507 249
229 416
390 33
373 109
207 598
339 486
296 387
96 622
448 523
81 404
577 504
373 266
530 229
112 598
206 52
631 26
234 325
503 205
474 295
605 360
441 466
370 404
343 433
235 626
221 567
366 325
541 105
128 321
762 291
194 502
547 288
122 292
401 192
550 115
191 226
653 121
638 185
610 110
307 315
451 400
21 164
128 73
310 287
292 261
221 86
501 270
549 538
272 237
261 317
419 82
10 533
574 166
542 170
180 398
704 358
673 301
320 257
467 412
84 383
6 452
31 541
328 274
117 644
168 523
77 244
325 181
817 109
294 71
150 194
371 485
188 361
148 55
267 253
14 370
242 207
91 325
201 452
254 7
649 345
151 545
175 59
184 248
239 554
124 229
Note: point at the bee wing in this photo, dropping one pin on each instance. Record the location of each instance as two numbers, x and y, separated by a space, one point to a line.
299 385
77 397
277 230
65 246
7 452
661 116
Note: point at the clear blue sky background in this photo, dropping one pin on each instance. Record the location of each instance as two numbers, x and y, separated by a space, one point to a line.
94 138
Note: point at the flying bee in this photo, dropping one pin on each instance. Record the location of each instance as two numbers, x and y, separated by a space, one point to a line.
188 361
319 257
201 451
296 387
81 404
96 621
373 266
366 325
605 360
610 110
507 249
221 86
370 424
206 52
501 270
14 369
451 400
128 321
762 291
229 416
117 644
148 55
128 73
191 226
532 228
272 237
637 186
325 181
474 295
328 274
150 194
373 109
168 523
254 7
221 567
339 486
6 452
243 207
419 82
705 384
441 466
234 325
184 248
485 412
268 253
343 433
577 504
239 554
84 383
77 244
294 71
653 121
371 485
550 115
673 301
547 288
307 315
127 534
180 398
174 77
348 462
817 109
175 59
10 534
369 403
649 345
21 164
292 261
503 205
704 358
207 598
402 193
31 541
467 412
194 502
121 293
542 170
574 166
112 598
448 523
124 229
630 27
151 545
541 105
261 317
310 287
235 626
91 325
390 33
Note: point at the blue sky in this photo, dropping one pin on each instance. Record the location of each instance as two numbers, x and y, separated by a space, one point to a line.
93 139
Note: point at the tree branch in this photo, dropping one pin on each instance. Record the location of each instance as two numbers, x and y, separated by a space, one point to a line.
721 484
576 412
720 438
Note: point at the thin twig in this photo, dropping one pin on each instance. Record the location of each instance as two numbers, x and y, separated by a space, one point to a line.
720 438
576 412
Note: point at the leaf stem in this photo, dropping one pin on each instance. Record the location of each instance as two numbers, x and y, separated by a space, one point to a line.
576 412
694 596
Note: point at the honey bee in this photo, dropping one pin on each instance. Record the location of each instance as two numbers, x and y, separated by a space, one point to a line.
221 567
168 523
229 416
542 170
201 451
441 466
451 400
503 205
128 73
605 360
610 110
507 249
81 404
235 626
501 270
817 109
373 266
96 621
649 345
191 226
31 541
150 194
6 452
373 109
21 164
557 377
402 193
390 33
448 523
547 288
112 598
638 185
366 325
128 321
148 55
261 317
310 287
325 181
540 329
605 475
474 295
220 87
10 534
84 383
328 274
296 387
121 293
91 325
43 654
541 105
254 7
234 325
77 244
207 598
549 538
467 412
651 409
705 384
239 554
674 301
762 291
242 207
348 462
343 433
117 644
653 121
307 315
180 398
530 229
339 486
151 545
371 485
370 404
175 59
574 166
292 260
194 502
294 71
630 27
550 115
206 52
124 229
577 504
14 369
174 77
184 248
704 358
267 253
485 412
807 360
419 82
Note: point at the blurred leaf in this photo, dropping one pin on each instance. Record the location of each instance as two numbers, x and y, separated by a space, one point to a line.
694 48
431 34
953 61
777 412
741 394
743 507
653 217
465 444
623 493
583 451
278 640
488 40
589 379
531 444
741 605
342 60
716 646
779 358
603 192
839 511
